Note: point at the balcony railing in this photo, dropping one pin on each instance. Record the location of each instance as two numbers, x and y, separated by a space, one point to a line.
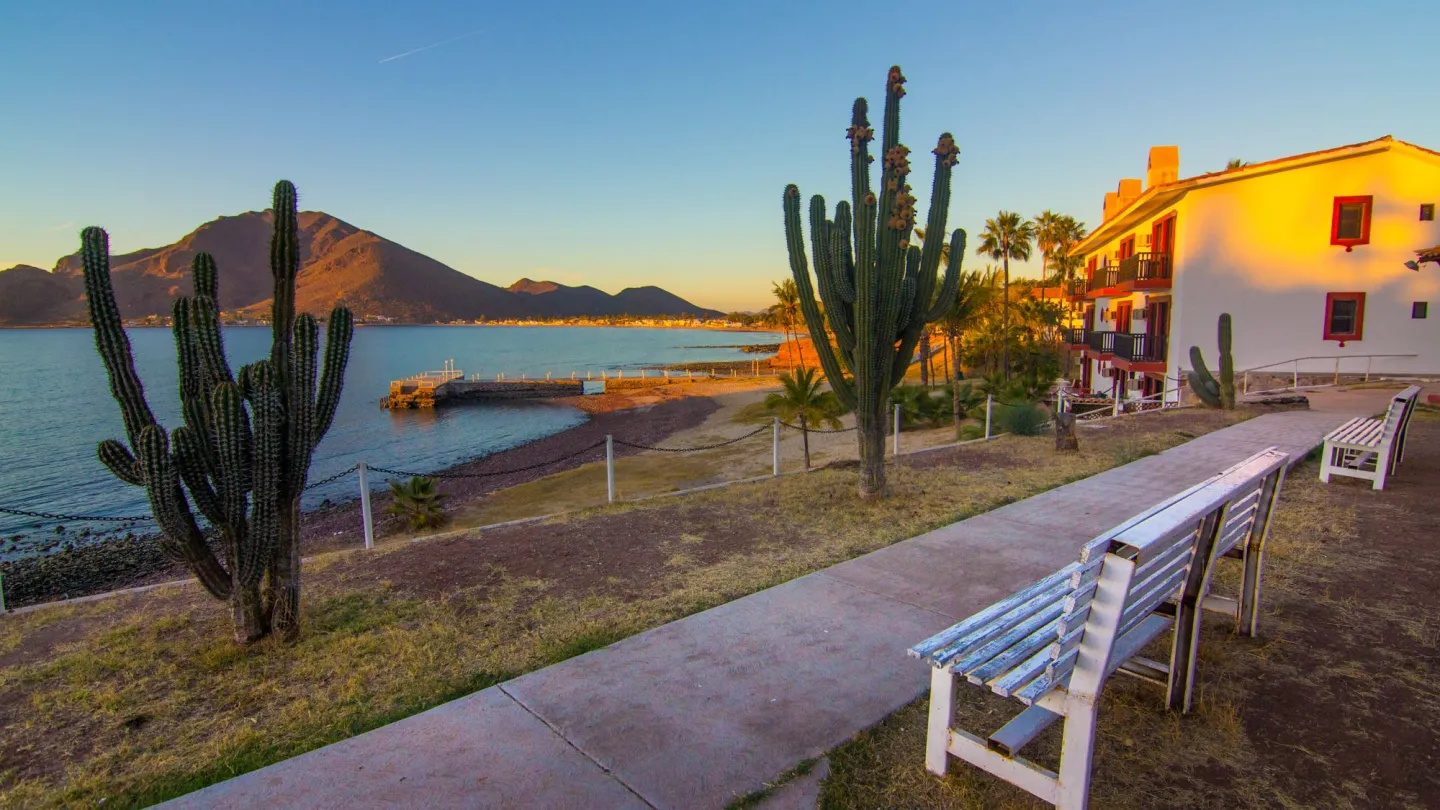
1151 269
1102 342
1076 287
1104 278
1075 336
1140 348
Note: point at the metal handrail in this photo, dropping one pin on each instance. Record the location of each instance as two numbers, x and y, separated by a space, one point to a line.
1294 362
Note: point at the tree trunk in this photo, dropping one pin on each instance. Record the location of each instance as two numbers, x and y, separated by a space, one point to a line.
1065 438
945 359
247 614
805 440
870 427
1005 321
955 387
283 587
925 359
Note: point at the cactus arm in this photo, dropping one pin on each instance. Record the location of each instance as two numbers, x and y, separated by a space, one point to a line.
209 344
110 339
284 267
187 355
267 478
1227 364
844 279
1200 380
121 464
799 268
951 285
338 331
189 459
300 415
180 538
233 454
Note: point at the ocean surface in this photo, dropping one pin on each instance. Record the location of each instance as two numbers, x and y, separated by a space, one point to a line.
55 403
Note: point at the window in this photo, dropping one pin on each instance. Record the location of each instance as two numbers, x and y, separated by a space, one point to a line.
1344 316
1420 310
1350 222
1127 248
1427 212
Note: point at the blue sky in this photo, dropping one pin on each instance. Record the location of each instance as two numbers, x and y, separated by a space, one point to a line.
618 144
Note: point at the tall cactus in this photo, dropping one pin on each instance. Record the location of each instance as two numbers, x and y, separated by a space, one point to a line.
1221 393
243 454
878 290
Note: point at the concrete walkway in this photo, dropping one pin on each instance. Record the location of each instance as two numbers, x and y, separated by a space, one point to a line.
701 711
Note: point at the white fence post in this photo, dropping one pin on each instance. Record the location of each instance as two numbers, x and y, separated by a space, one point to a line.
365 506
776 466
1295 383
897 430
989 406
1337 370
610 468
1115 411
2 594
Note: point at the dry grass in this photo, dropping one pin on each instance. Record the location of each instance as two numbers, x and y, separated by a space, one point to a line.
140 698
1147 757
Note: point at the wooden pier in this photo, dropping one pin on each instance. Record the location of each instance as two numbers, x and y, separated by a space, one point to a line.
448 386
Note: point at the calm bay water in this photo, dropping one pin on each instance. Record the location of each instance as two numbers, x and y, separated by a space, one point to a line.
55 404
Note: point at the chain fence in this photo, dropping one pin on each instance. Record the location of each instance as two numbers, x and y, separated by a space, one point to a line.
737 439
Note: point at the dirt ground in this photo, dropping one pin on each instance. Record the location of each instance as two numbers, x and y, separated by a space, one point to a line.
1334 706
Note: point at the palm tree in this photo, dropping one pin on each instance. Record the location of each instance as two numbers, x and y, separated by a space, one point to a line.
802 399
1236 163
972 297
786 311
1047 236
1007 236
418 501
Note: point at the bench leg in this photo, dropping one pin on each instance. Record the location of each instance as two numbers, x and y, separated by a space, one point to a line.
1326 459
1077 749
942 716
1381 467
1247 621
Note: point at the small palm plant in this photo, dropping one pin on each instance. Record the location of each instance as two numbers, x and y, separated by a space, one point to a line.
802 400
418 501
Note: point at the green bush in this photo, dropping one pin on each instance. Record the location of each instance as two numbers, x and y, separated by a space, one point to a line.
971 432
1025 419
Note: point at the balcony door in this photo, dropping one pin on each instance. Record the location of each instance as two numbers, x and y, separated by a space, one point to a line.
1122 316
1157 329
1162 236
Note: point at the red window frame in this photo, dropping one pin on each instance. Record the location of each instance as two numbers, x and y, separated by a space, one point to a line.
1364 238
1359 299
1127 248
1090 268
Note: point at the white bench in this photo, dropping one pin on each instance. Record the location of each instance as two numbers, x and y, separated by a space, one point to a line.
1053 645
1369 448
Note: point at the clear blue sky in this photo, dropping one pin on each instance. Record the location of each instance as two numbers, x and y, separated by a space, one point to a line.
618 144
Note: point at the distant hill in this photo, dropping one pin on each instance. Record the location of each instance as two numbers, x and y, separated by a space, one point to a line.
372 275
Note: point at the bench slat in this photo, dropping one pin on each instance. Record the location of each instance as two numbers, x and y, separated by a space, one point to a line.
1007 640
1000 665
951 634
1031 668
999 626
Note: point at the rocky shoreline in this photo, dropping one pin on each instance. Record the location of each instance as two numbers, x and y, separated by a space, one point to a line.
128 560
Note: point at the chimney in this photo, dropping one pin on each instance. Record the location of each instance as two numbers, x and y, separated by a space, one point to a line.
1163 167
1111 205
1128 192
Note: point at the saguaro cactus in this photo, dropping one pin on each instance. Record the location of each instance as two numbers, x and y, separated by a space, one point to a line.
243 454
878 290
1219 394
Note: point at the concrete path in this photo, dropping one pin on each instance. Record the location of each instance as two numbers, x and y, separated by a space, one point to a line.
704 710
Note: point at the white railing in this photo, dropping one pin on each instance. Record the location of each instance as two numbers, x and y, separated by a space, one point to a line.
1294 364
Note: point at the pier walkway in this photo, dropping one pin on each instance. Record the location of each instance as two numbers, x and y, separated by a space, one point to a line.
701 711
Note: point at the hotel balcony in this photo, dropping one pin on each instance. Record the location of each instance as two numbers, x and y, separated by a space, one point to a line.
1075 338
1144 271
1140 352
1076 288
1101 345
1104 282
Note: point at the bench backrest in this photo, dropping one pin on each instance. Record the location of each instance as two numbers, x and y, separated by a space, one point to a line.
1029 643
1395 417
1125 574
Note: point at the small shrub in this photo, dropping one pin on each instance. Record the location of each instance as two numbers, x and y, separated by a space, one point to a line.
1022 420
418 502
971 432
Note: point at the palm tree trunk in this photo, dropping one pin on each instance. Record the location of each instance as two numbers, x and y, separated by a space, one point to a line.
925 358
1005 322
955 388
945 360
805 440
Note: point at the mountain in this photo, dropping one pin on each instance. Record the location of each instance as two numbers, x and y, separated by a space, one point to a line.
375 277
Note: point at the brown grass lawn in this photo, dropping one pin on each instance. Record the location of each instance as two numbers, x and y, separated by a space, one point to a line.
1336 705
135 699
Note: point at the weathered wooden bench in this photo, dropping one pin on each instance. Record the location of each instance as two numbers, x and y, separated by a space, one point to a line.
1369 448
1053 644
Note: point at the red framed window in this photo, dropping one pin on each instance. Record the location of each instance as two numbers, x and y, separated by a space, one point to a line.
1344 316
1127 248
1350 221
